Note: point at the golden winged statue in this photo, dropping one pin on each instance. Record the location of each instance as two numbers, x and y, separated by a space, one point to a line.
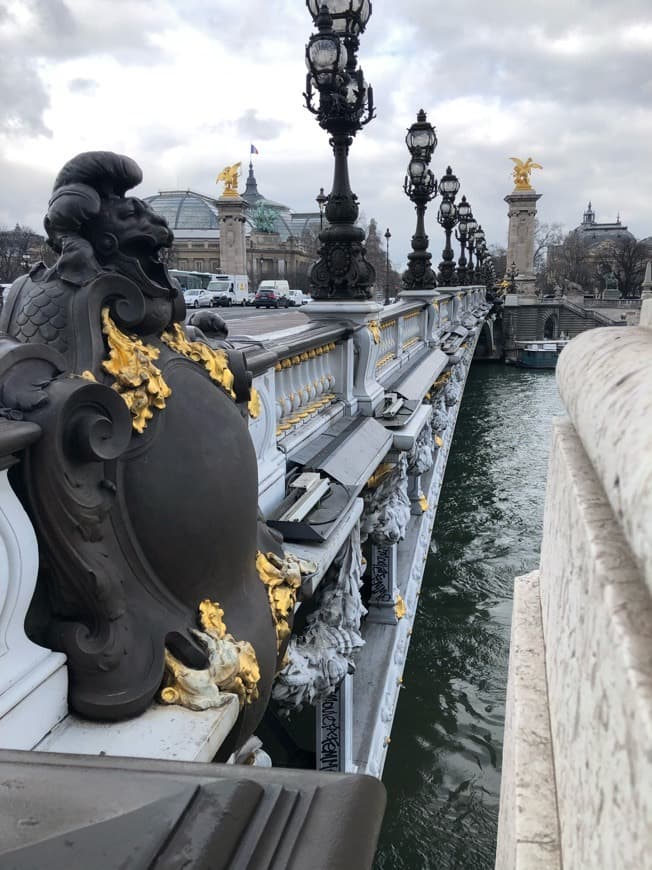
522 171
229 175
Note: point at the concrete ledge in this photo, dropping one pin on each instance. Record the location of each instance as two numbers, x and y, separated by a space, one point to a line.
604 381
528 830
170 733
597 624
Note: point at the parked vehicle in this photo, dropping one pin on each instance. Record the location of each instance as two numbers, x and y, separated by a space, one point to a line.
227 290
270 298
197 298
296 297
279 286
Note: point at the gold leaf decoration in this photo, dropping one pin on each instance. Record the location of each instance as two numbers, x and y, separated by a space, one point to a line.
137 379
374 328
233 667
383 470
399 608
282 578
214 361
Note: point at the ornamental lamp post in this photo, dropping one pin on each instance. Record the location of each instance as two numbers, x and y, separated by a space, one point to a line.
345 106
471 227
388 236
510 275
420 186
322 199
449 185
480 252
464 214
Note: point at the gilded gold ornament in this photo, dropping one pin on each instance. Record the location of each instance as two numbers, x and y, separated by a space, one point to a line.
399 608
374 328
214 361
137 379
282 578
233 667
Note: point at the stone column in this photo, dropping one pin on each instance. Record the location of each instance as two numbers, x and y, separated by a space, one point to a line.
520 239
233 259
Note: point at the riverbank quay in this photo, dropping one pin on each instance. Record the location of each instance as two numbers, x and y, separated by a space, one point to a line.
577 775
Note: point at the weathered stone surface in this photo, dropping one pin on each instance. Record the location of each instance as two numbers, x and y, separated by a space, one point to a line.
597 621
604 381
528 834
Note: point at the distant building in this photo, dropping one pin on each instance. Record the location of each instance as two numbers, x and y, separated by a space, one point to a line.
594 234
283 245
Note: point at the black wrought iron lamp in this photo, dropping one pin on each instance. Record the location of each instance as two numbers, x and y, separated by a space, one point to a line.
449 185
420 186
510 275
480 254
464 214
345 106
388 236
471 227
322 199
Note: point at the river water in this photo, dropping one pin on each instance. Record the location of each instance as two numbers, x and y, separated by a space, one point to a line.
443 770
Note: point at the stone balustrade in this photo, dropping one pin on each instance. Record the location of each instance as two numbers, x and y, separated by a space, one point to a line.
312 382
577 772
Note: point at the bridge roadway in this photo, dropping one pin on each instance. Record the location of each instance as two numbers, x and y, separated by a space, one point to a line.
257 321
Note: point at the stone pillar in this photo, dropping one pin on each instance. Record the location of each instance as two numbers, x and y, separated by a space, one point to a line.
520 238
384 584
335 730
646 287
233 258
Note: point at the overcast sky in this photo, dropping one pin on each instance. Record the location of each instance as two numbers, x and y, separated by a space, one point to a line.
185 86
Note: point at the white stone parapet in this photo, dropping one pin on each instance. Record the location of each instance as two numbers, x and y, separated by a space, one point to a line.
590 624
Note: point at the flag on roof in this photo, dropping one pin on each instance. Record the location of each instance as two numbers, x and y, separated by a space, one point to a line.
254 150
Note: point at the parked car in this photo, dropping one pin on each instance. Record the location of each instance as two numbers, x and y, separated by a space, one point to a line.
197 299
270 299
295 297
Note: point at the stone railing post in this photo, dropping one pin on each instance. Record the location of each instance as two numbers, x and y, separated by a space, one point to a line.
33 679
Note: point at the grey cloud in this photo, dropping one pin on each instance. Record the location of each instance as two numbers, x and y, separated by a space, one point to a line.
249 124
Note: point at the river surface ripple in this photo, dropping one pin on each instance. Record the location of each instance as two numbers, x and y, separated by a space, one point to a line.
443 770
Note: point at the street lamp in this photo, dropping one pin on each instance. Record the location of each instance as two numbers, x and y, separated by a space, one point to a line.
464 214
322 199
447 218
471 227
388 236
420 186
480 253
345 106
510 275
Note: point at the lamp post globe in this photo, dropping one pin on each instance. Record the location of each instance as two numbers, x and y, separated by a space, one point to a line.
345 105
449 185
464 215
420 186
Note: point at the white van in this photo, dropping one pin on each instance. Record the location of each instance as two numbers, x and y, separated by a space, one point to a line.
226 290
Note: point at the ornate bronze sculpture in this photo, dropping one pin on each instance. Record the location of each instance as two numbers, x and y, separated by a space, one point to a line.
143 484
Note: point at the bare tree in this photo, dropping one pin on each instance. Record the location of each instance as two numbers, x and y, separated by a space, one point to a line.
545 237
498 254
626 259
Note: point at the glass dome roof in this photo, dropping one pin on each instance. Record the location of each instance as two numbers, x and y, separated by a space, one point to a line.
185 210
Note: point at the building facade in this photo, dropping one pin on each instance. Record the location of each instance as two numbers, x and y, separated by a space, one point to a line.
279 242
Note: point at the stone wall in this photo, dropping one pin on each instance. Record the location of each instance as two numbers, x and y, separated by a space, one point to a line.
577 778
